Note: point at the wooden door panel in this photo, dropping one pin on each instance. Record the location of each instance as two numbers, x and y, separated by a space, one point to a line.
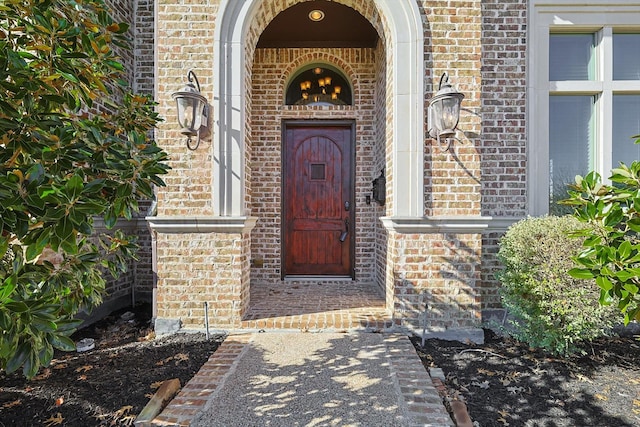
317 180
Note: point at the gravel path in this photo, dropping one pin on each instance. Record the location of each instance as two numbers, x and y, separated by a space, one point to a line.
285 379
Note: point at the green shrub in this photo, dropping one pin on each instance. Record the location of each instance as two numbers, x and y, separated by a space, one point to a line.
553 310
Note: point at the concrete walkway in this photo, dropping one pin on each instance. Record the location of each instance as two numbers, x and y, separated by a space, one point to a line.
310 379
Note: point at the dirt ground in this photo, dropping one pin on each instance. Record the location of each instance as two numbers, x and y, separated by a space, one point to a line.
107 386
504 383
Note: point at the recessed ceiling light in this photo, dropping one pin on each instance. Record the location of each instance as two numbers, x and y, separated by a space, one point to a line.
316 15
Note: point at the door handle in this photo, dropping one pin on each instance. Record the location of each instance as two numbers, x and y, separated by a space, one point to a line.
347 205
344 234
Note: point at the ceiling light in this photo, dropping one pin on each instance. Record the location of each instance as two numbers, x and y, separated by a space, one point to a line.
316 15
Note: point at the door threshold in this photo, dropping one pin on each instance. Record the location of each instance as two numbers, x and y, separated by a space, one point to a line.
303 278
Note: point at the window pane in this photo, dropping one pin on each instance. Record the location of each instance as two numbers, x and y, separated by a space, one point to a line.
571 133
571 57
626 123
626 56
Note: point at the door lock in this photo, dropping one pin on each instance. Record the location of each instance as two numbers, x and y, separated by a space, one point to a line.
347 205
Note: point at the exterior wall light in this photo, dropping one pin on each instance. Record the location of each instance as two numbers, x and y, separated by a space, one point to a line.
444 112
192 111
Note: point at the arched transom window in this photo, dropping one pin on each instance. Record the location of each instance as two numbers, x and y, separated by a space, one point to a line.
319 84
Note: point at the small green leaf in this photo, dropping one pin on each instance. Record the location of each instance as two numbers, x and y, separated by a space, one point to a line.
45 355
31 365
4 243
62 342
74 187
18 358
581 273
604 283
634 224
17 306
44 325
69 326
605 298
624 250
8 286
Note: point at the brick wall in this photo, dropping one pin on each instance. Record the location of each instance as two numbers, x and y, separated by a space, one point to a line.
199 267
184 38
135 285
504 129
452 45
382 135
124 11
440 272
504 84
144 47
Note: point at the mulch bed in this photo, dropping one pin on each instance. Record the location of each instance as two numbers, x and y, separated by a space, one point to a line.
107 386
505 383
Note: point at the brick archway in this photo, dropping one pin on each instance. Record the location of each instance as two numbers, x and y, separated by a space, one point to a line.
238 27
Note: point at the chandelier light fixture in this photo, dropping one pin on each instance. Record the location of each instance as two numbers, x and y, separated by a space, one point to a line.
321 87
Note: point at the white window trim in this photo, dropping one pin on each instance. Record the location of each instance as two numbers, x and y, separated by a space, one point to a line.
572 16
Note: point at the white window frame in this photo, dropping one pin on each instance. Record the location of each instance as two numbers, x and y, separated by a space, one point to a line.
596 16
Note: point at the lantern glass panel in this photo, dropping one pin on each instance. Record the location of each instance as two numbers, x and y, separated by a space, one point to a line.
450 112
436 116
190 112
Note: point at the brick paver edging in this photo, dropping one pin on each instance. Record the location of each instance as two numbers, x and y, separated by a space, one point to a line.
198 391
417 391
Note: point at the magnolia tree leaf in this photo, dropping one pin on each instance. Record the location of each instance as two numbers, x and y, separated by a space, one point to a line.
61 166
612 251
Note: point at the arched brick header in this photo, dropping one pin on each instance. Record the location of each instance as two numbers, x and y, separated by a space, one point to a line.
238 27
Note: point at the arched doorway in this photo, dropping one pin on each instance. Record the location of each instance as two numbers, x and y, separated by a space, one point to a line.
387 116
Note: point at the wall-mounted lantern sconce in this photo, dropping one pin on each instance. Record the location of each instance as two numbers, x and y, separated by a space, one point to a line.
444 112
192 110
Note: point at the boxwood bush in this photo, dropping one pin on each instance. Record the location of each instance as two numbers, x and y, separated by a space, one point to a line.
552 310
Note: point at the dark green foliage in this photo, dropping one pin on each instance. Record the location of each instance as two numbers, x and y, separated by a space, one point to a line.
73 146
611 252
554 311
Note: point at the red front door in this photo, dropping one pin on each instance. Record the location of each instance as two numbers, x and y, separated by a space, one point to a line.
318 206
